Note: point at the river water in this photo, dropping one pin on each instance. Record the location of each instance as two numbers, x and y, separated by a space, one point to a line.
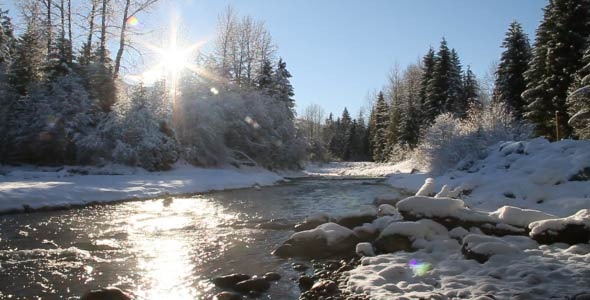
157 249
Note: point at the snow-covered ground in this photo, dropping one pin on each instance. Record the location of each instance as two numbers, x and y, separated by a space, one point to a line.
359 169
534 174
38 187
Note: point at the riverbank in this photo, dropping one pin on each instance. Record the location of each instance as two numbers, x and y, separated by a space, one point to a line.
24 188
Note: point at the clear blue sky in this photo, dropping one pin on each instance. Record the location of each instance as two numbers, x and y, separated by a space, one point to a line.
338 50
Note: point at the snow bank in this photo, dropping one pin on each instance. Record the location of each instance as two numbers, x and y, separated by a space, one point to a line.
44 187
359 169
532 174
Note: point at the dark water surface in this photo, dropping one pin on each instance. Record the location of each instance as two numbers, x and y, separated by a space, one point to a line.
158 251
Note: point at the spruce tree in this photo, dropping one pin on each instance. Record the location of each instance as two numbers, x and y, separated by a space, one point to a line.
455 101
510 82
439 85
264 82
559 45
26 68
283 90
579 100
379 132
471 93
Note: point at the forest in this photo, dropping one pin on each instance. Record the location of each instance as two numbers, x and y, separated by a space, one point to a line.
65 102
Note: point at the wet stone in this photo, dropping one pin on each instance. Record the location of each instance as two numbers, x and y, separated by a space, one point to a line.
305 283
299 267
253 285
230 281
109 293
227 296
271 276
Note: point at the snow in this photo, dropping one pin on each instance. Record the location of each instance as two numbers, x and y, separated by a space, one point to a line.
427 189
534 174
38 187
357 169
333 233
520 217
518 266
422 229
364 249
582 217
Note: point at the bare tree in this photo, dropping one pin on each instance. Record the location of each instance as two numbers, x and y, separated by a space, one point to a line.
130 10
312 120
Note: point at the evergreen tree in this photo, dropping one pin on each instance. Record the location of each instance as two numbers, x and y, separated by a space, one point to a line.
559 45
579 100
379 133
26 68
283 89
439 85
393 129
510 82
264 82
470 95
455 101
427 69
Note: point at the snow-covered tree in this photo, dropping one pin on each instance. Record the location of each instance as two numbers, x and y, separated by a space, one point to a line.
560 42
579 100
510 81
379 133
283 90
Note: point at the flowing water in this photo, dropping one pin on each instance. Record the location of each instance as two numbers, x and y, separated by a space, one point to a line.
162 249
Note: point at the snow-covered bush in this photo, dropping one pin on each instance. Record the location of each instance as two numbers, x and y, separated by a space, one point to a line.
451 140
45 125
135 132
222 123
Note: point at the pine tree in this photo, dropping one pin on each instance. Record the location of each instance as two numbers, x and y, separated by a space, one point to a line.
559 45
379 133
283 89
427 69
579 100
393 129
510 82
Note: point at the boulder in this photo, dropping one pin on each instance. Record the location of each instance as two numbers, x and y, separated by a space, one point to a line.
365 249
271 276
305 283
324 287
481 247
312 222
229 281
366 215
393 243
227 296
323 241
253 285
109 293
571 230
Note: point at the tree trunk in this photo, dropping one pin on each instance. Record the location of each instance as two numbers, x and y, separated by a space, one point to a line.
103 32
122 39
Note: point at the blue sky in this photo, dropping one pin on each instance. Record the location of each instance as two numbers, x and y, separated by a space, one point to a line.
338 50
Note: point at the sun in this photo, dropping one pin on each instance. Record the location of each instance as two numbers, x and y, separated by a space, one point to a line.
174 60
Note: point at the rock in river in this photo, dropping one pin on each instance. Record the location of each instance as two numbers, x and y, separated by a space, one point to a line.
230 281
109 293
253 285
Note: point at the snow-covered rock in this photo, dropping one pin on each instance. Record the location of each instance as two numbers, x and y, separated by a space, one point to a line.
520 217
571 230
427 188
366 214
313 221
482 247
387 210
325 240
365 249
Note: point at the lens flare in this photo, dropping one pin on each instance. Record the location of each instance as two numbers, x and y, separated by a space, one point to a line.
419 269
133 21
214 91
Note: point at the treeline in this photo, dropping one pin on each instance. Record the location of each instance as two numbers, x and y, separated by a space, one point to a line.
437 100
64 102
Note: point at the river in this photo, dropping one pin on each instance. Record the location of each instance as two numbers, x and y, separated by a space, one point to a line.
162 249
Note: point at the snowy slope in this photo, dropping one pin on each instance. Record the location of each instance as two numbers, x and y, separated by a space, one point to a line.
360 169
534 174
43 187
